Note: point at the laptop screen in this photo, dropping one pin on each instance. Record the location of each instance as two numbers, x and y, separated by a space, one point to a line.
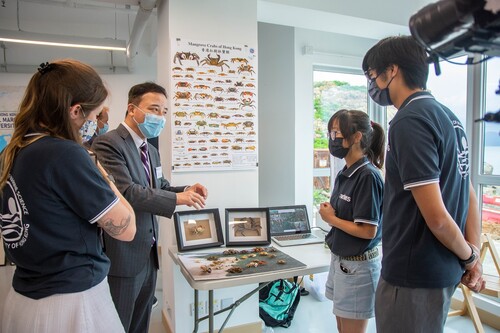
288 220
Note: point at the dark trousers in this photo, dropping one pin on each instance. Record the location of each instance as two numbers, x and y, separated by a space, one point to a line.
133 297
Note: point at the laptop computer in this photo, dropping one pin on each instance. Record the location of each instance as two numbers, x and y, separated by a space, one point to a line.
290 226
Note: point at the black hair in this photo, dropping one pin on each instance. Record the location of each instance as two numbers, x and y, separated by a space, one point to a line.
373 136
136 92
403 51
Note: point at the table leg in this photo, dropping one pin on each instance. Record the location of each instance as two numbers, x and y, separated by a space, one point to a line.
210 311
196 321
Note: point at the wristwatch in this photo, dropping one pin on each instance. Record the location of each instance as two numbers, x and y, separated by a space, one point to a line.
471 259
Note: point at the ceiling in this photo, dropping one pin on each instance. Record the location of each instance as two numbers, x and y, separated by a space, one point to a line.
114 19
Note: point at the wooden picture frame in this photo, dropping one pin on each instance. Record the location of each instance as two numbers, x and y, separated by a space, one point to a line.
247 227
198 229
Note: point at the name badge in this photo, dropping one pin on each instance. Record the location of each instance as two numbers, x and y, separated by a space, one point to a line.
159 172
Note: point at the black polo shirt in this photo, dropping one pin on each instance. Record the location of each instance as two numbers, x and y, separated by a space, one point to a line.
426 144
357 196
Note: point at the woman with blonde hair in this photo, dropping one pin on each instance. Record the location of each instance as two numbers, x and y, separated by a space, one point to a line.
55 201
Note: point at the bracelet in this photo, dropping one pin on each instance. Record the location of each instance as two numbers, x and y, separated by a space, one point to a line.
471 258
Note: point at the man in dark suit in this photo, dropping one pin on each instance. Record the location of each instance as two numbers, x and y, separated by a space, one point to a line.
135 165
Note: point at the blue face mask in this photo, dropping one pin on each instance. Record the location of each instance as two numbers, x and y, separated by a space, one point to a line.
104 129
379 96
152 125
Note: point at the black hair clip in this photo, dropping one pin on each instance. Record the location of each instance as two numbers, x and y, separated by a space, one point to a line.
45 67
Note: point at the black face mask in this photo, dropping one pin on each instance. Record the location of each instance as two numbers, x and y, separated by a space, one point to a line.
336 149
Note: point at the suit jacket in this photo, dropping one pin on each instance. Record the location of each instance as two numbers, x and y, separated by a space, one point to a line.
118 154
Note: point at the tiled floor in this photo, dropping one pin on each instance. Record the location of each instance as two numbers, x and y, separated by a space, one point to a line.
313 316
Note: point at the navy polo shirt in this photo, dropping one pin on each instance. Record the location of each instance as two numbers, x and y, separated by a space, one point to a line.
426 144
49 208
357 196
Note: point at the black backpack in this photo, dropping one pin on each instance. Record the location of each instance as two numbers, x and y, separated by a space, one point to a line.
278 302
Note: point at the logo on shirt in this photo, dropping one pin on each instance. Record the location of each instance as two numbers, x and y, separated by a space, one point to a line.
462 149
345 197
14 231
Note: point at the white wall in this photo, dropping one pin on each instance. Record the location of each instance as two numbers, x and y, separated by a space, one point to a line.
229 21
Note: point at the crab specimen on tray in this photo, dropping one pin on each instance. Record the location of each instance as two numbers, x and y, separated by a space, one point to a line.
231 251
215 61
206 269
234 269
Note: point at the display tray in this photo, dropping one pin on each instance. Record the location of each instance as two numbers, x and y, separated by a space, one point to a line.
232 263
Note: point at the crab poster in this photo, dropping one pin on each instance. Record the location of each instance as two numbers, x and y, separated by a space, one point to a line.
214 116
10 97
233 263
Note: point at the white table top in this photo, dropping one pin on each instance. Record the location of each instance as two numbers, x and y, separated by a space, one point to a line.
315 256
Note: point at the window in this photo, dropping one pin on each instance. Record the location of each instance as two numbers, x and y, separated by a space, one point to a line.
332 91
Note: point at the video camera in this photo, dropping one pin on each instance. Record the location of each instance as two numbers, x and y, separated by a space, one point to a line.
448 27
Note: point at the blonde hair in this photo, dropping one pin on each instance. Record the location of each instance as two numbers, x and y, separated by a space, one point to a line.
45 106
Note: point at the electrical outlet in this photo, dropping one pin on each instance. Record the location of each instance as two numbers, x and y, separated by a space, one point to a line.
216 305
202 309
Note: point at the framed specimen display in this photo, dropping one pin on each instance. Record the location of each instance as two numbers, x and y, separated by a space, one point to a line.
247 226
198 229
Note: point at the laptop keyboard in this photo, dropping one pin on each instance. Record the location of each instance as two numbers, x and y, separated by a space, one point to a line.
292 237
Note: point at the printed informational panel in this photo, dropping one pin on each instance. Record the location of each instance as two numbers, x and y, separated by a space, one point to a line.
214 116
10 97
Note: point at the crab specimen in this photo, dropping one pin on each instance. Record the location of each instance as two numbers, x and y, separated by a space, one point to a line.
182 95
215 61
206 269
201 86
179 56
245 94
250 226
238 84
192 132
231 251
281 262
213 115
234 269
258 249
212 258
232 90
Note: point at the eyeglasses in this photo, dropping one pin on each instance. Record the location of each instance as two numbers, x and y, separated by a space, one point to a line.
154 110
368 76
333 135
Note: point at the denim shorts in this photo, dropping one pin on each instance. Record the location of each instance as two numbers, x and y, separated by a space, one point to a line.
351 286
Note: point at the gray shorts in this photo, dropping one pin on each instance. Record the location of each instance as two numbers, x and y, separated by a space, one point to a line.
351 286
416 310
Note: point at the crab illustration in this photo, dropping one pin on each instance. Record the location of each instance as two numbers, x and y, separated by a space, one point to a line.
232 99
180 114
240 60
219 99
177 123
202 96
176 69
196 114
225 116
226 140
183 84
250 85
215 61
236 147
179 56
201 86
238 84
192 132
248 124
232 90
213 115
213 125
246 68
247 102
201 124
221 107
218 89
249 115
229 125
182 95
245 94
252 148
190 69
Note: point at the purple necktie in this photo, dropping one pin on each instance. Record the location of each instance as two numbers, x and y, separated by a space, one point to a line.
145 160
